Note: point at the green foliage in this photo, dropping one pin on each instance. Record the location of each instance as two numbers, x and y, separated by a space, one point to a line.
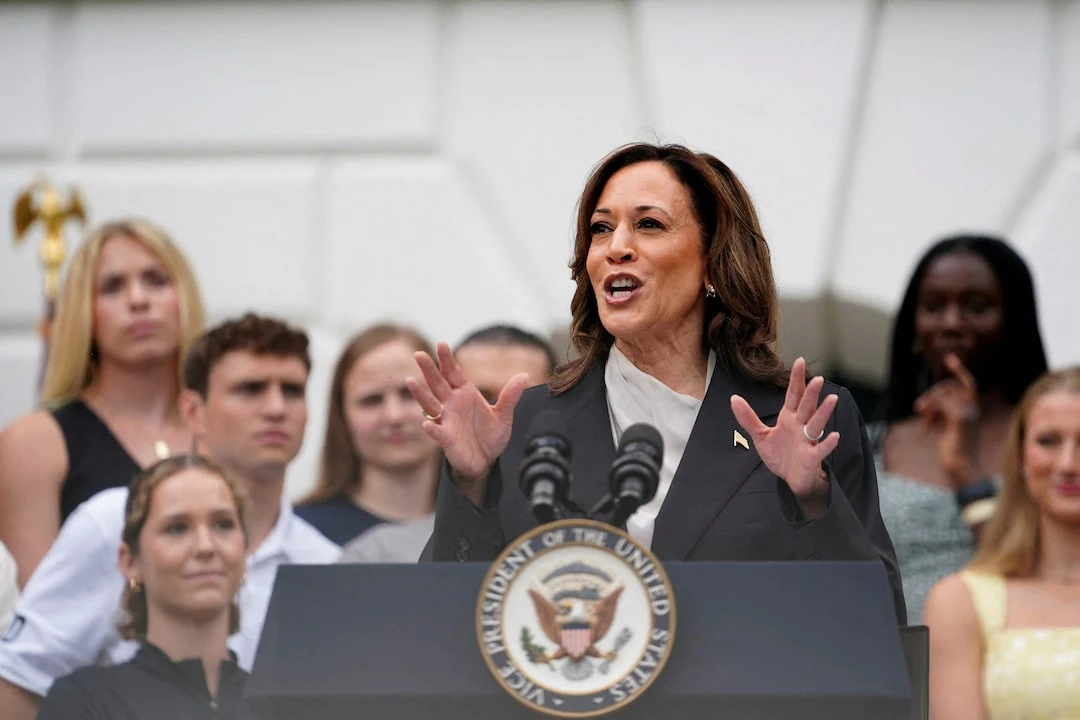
534 652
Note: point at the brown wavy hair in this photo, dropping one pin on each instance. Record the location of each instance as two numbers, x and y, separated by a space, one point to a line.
1009 544
257 334
339 472
741 322
137 511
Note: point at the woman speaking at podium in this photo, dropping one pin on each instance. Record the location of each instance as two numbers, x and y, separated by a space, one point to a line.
675 321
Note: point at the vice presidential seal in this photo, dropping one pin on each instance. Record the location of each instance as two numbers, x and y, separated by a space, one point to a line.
576 618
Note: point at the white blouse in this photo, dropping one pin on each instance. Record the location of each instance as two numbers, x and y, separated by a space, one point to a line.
635 397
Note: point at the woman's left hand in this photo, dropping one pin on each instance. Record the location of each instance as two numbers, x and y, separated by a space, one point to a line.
795 448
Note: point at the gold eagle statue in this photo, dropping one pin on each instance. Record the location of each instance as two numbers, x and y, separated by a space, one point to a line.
41 202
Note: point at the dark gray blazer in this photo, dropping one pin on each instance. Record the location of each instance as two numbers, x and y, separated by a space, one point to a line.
723 504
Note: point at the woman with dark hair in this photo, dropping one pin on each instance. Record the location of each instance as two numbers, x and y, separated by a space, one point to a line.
965 347
675 321
378 464
182 556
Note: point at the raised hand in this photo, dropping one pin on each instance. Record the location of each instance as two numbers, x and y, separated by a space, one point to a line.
952 406
796 446
471 431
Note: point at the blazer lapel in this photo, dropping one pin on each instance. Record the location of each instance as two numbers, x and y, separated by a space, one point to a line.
589 424
714 464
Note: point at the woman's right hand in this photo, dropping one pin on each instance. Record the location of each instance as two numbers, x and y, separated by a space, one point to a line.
471 432
952 405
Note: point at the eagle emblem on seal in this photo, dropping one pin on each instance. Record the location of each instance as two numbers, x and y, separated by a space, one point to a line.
575 609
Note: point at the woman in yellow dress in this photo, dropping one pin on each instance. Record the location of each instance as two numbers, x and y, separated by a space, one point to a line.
1005 631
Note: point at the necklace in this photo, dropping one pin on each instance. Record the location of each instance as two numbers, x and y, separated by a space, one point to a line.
161 447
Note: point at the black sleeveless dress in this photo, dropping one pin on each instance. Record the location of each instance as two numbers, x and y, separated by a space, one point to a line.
96 459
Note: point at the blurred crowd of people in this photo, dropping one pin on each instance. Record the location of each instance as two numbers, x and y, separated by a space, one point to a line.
976 447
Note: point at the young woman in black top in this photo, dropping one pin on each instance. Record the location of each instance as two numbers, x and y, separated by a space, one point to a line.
127 312
182 554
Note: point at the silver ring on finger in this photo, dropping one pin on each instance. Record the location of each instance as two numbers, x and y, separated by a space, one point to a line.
813 440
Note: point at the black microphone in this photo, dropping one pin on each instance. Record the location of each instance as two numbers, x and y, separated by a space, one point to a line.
635 473
544 474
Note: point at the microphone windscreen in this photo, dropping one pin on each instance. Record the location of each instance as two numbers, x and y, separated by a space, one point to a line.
642 433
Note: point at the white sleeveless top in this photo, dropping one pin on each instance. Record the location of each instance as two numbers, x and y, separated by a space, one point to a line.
635 397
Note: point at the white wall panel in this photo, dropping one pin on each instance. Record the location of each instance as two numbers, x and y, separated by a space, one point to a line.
955 124
1068 72
265 75
249 228
769 88
537 93
27 80
394 253
1049 237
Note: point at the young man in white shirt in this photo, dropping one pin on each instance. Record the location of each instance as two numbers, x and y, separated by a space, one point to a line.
244 397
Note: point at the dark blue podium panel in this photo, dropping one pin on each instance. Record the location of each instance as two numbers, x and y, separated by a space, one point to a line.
754 641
